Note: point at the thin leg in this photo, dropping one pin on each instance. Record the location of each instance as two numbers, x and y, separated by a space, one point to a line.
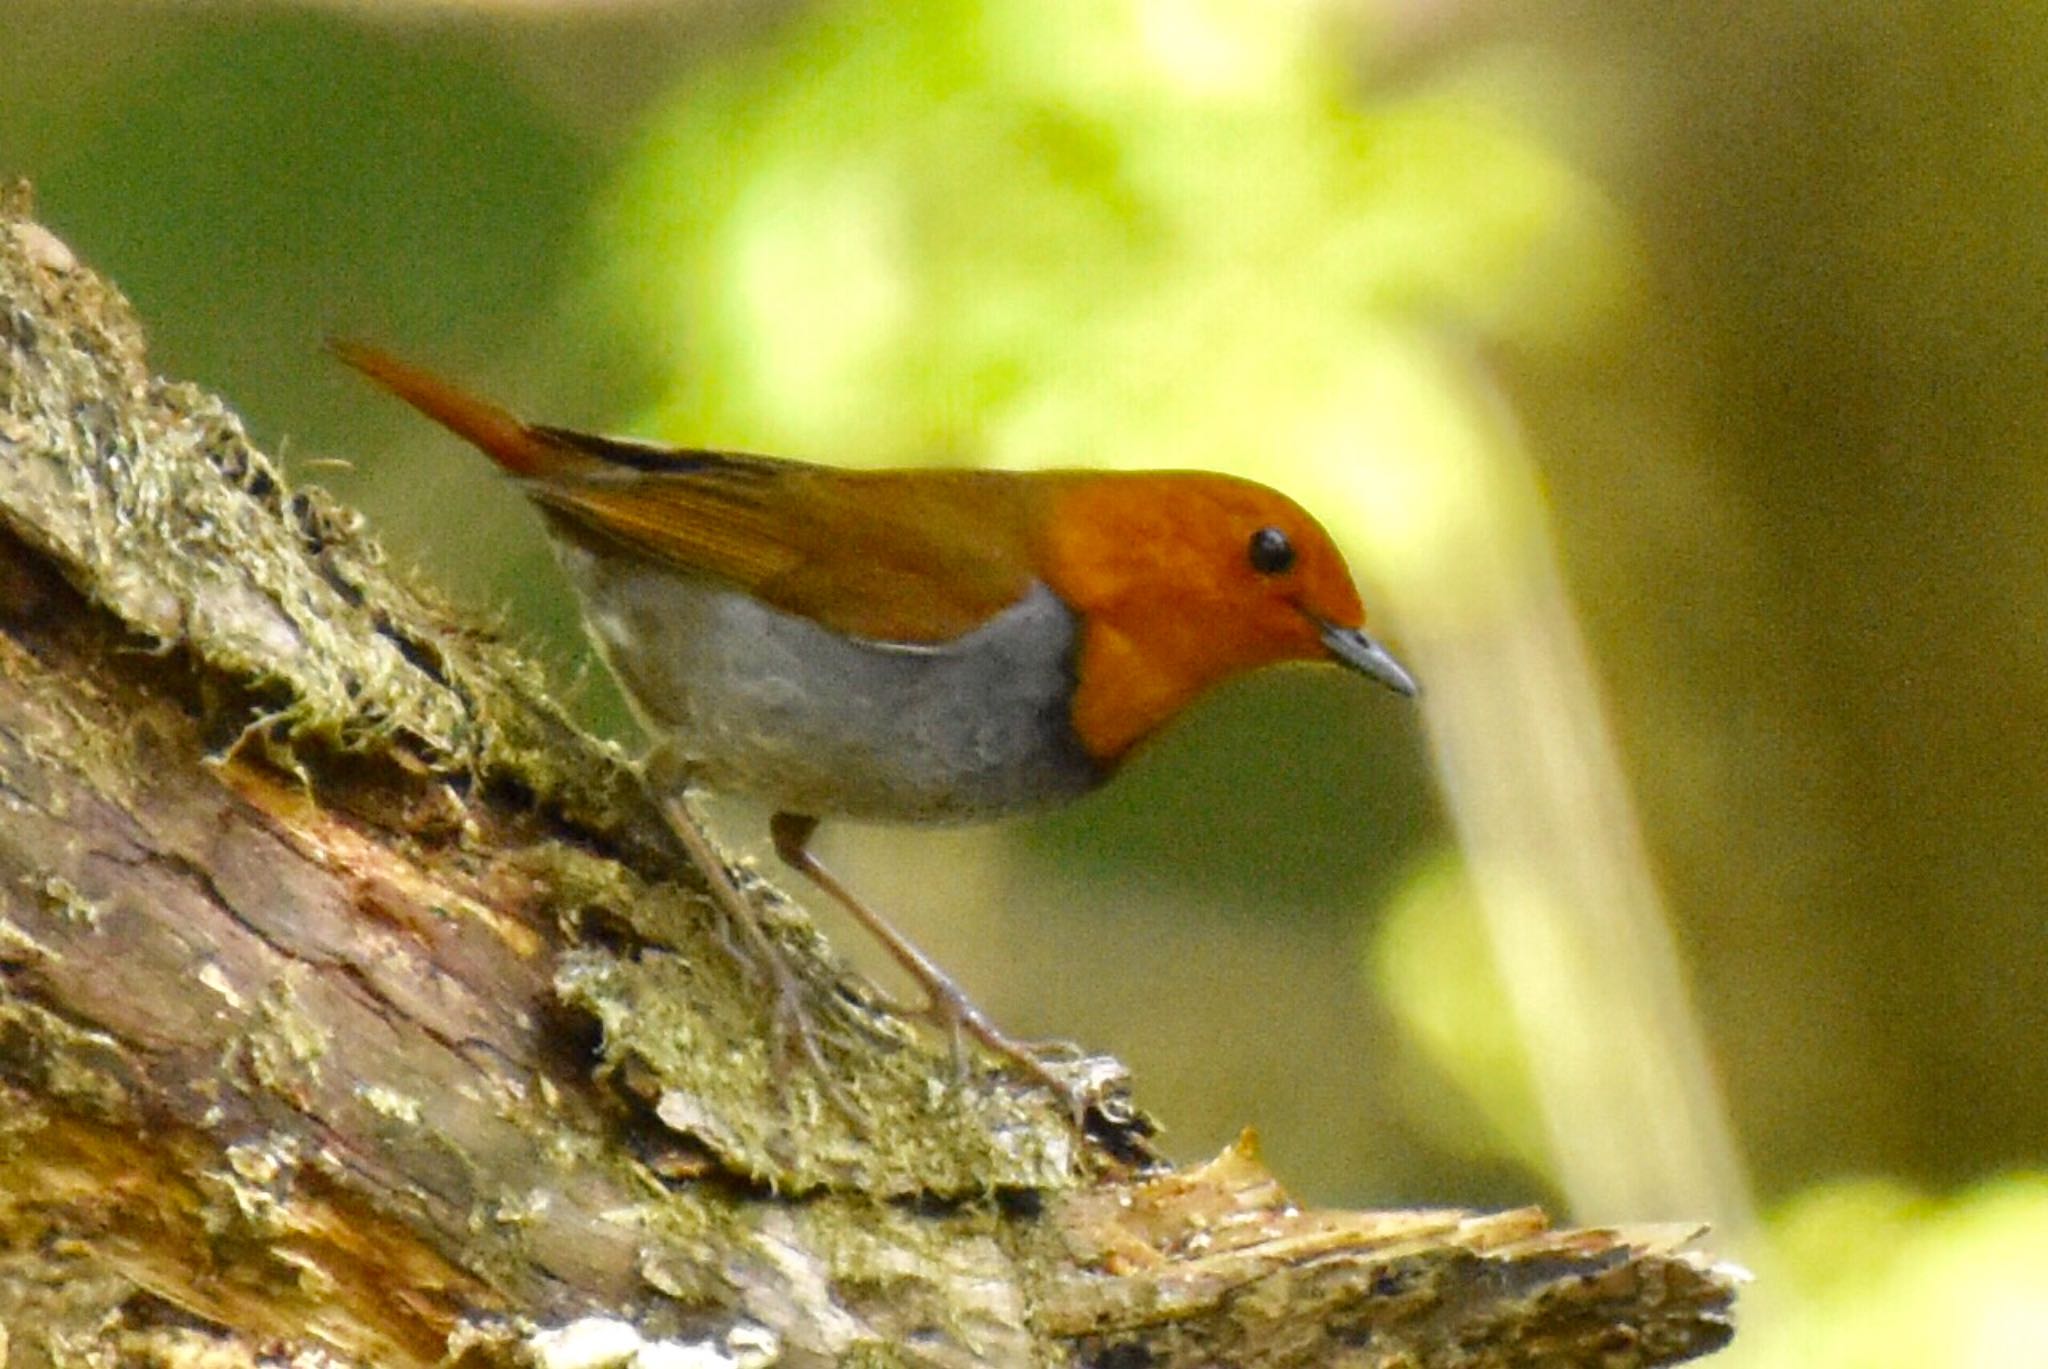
790 1014
949 1007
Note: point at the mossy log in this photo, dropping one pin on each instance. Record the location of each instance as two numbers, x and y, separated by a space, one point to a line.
355 1008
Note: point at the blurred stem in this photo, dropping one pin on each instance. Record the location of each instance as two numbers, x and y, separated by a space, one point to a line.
1535 790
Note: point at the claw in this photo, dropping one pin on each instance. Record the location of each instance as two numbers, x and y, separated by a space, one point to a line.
947 1006
792 1029
954 1014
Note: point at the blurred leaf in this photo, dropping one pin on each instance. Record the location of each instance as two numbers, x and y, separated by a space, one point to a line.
1866 1274
987 231
1430 961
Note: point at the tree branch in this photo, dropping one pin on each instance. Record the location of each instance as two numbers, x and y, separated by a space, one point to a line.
353 1003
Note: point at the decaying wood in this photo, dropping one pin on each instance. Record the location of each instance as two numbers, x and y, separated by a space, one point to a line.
355 1009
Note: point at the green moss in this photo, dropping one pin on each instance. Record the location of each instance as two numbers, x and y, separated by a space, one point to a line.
165 515
284 1047
63 1062
686 1028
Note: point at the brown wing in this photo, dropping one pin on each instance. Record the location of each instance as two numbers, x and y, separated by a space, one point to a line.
903 556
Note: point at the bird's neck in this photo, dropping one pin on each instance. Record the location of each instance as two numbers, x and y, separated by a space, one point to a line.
1129 683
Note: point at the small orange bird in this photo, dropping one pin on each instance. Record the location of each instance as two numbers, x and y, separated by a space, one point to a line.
908 645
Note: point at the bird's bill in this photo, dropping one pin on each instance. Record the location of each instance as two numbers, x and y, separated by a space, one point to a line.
1351 647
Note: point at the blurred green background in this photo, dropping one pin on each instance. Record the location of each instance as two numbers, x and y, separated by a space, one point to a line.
1673 375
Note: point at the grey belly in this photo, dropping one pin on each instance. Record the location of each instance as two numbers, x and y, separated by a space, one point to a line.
751 700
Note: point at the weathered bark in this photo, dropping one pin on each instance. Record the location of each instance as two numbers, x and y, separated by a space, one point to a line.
353 1004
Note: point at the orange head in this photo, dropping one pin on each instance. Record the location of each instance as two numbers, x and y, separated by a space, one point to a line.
1184 580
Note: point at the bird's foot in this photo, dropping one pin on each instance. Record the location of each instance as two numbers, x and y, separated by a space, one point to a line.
947 1007
956 1016
794 1030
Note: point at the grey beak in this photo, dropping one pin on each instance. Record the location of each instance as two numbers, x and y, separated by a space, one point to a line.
1351 647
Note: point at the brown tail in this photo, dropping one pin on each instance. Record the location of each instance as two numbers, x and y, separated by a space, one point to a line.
520 449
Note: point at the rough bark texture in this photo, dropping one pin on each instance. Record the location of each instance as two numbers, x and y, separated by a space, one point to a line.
354 1008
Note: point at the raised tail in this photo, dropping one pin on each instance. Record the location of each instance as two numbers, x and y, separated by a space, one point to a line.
521 449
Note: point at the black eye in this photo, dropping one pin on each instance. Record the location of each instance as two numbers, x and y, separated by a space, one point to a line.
1270 551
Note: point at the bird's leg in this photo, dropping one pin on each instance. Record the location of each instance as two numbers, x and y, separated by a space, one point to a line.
790 1015
949 1006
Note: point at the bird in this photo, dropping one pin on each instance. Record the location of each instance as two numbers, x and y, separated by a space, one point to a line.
906 645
